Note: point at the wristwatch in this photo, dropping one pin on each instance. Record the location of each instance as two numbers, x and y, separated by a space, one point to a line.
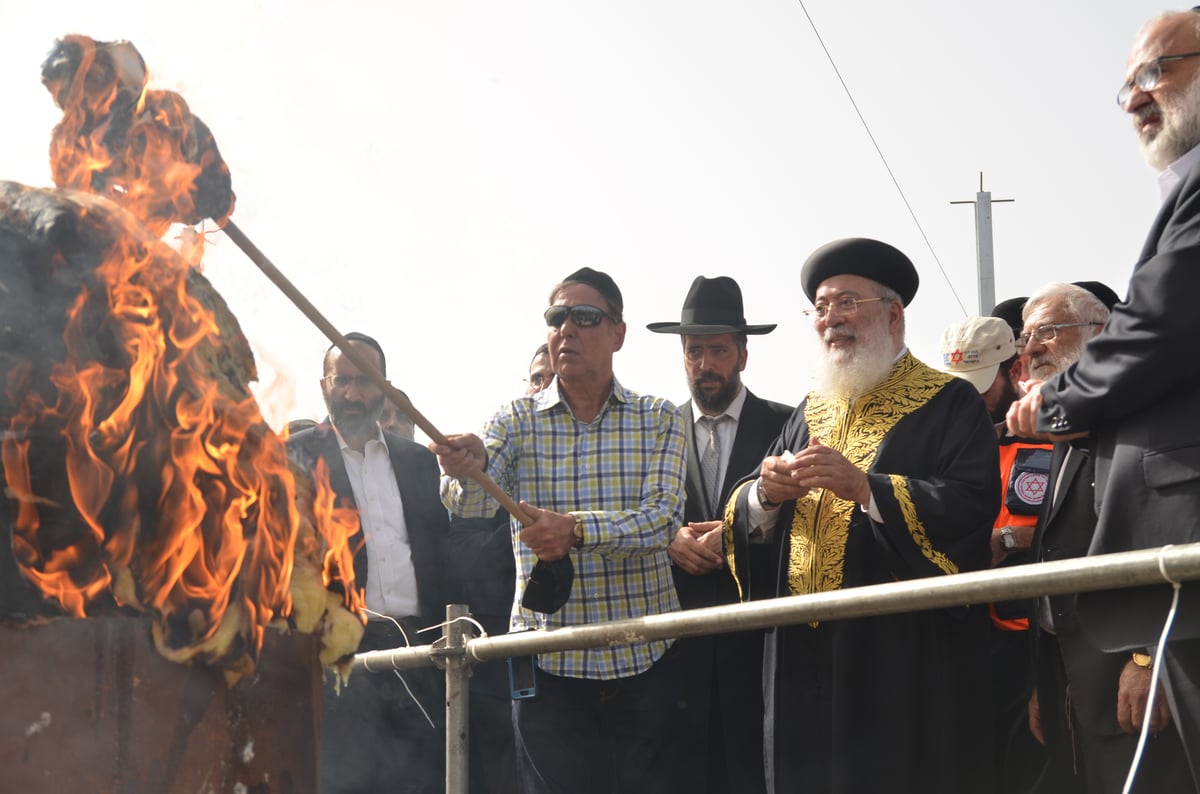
578 531
761 492
1007 539
1143 660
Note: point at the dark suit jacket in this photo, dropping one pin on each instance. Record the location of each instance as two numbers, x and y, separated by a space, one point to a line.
1064 531
758 426
418 476
1136 389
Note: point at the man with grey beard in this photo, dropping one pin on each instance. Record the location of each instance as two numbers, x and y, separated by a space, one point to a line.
1135 390
381 733
1095 701
888 470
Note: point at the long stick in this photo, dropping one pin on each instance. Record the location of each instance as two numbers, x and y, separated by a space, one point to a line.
398 398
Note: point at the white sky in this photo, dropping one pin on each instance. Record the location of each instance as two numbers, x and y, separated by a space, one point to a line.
426 171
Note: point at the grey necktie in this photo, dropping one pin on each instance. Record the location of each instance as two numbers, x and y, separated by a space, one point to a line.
710 460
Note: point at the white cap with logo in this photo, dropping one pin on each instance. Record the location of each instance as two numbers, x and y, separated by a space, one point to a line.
975 348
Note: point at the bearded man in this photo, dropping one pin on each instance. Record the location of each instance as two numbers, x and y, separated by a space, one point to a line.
730 429
380 729
895 475
1135 390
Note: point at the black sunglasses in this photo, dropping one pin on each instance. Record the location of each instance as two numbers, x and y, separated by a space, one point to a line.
583 316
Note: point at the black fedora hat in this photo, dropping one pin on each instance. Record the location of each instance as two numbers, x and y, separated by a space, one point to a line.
712 306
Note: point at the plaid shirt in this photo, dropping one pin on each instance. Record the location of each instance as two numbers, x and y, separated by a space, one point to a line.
623 476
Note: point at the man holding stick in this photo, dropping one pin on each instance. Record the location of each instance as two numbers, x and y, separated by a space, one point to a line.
599 471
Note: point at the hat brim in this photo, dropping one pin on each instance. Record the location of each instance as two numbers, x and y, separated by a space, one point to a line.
696 329
982 378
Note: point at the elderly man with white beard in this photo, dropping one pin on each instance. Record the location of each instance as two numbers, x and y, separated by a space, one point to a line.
1094 701
887 471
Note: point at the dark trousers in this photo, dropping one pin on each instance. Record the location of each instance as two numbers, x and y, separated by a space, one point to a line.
493 752
1182 667
1085 758
584 736
374 738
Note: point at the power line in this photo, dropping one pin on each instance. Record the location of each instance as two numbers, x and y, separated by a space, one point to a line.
879 151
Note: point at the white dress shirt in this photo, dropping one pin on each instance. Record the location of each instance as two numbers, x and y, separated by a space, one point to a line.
391 586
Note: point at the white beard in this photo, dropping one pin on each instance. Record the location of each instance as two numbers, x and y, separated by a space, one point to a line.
852 371
1047 365
1180 130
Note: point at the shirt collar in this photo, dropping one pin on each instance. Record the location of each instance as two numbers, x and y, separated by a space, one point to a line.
550 396
1175 173
344 446
734 411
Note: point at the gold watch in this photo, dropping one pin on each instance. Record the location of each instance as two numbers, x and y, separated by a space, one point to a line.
578 530
1143 660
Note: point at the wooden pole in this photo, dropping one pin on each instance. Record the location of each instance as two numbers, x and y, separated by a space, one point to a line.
397 397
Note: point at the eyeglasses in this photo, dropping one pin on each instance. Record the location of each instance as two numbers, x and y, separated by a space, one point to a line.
1047 333
1147 75
343 381
843 306
583 316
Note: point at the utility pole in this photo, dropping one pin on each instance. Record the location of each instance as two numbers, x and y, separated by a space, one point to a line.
985 260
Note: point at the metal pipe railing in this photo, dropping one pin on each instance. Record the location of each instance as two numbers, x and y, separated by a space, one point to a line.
1083 574
1101 572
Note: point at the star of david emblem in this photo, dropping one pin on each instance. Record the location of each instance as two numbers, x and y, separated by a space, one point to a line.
1031 487
956 357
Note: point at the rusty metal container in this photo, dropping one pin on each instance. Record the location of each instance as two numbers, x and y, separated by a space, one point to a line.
91 706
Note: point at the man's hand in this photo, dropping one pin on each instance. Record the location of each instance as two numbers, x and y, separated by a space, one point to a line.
551 535
698 547
463 457
819 466
778 479
1022 414
1133 690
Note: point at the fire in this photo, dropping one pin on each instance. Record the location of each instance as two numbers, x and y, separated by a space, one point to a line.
140 147
183 501
336 525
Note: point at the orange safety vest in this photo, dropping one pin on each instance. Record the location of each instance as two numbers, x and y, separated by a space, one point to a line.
1021 491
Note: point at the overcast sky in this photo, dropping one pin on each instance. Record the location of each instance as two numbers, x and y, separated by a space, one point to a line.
426 171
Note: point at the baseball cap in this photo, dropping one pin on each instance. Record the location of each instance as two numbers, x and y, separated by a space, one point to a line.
975 348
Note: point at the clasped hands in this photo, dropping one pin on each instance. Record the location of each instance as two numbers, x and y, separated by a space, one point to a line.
790 476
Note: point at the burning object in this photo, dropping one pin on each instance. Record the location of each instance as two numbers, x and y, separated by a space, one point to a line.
138 472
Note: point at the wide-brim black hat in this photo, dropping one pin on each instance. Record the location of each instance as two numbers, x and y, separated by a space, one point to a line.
712 306
860 256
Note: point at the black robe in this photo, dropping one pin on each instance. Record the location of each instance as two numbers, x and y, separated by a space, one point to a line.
897 703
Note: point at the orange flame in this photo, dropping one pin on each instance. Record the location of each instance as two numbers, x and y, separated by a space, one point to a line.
185 499
336 526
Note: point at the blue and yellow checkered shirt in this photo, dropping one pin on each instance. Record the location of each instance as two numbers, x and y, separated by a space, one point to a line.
623 475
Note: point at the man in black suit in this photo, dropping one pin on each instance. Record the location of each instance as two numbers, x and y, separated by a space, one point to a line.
1136 388
1088 705
375 735
724 692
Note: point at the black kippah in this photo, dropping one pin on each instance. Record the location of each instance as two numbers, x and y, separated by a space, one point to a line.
602 283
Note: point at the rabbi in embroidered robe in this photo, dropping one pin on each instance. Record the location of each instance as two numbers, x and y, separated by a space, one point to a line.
888 471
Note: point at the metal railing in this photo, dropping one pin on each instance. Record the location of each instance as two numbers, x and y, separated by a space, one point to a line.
458 653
